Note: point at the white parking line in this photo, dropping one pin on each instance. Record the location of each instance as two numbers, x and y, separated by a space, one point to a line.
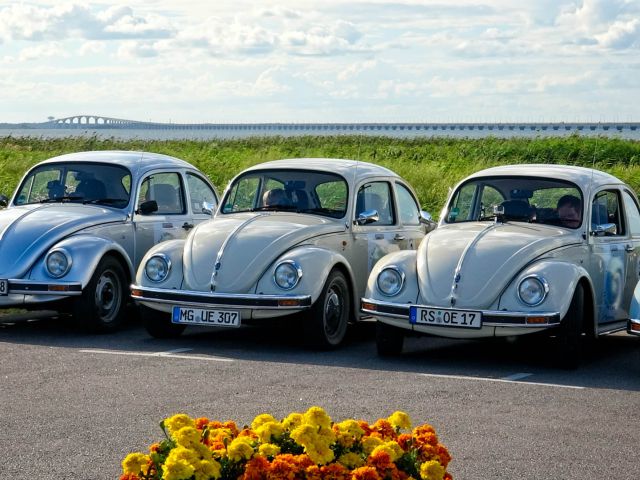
168 354
501 380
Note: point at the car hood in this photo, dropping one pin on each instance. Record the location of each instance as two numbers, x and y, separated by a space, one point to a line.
472 263
26 232
240 247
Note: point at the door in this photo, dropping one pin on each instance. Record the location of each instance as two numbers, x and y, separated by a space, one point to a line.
632 246
171 220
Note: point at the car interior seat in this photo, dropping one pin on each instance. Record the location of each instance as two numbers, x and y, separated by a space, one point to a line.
91 188
518 210
167 198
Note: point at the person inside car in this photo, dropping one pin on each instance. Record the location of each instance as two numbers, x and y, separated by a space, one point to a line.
569 211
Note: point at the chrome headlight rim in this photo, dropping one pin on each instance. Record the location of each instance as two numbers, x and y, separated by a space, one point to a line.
543 284
401 279
68 260
167 262
295 268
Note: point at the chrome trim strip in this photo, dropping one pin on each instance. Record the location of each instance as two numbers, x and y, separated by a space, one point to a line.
28 287
218 263
229 300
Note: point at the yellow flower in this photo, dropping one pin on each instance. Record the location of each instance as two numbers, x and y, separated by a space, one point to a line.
350 427
179 464
431 470
400 421
369 443
261 420
392 448
135 463
178 421
351 460
318 417
206 469
319 453
304 434
240 449
292 421
268 430
268 450
187 437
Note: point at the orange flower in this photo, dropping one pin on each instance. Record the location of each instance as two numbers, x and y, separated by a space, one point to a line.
334 471
231 425
154 448
365 473
129 476
247 432
386 469
365 426
201 423
255 469
405 441
425 434
289 467
444 457
385 429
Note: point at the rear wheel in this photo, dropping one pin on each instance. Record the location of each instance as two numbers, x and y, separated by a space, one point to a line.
327 326
158 324
101 306
389 339
569 342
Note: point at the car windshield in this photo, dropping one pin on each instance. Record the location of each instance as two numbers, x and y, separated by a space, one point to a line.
523 199
302 191
76 182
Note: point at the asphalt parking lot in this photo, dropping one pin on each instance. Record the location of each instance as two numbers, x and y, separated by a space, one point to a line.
73 405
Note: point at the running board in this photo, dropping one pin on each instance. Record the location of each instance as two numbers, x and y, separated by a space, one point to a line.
612 327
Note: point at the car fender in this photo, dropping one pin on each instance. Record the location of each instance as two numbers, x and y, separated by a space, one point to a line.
316 263
405 262
172 250
562 278
85 251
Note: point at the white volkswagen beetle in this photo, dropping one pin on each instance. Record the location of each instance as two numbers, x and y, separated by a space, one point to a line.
290 236
79 224
519 249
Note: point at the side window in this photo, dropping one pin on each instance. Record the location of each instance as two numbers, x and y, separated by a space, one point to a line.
201 196
408 209
376 196
633 214
606 209
166 190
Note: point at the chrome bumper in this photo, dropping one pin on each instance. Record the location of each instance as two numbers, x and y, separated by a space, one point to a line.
633 326
228 300
490 318
28 287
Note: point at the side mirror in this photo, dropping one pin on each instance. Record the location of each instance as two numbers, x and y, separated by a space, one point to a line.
604 229
426 219
208 208
366 217
4 201
148 207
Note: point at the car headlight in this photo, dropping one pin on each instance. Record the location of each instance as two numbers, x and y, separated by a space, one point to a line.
390 281
58 263
533 290
157 267
287 274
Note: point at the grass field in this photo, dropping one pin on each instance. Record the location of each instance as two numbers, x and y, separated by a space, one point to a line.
430 165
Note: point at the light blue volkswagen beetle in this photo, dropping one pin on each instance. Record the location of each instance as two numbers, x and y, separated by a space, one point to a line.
78 225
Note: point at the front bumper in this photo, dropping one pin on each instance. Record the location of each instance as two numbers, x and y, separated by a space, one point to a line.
633 326
19 292
161 299
509 322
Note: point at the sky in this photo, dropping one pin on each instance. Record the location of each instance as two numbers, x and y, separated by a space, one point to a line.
219 61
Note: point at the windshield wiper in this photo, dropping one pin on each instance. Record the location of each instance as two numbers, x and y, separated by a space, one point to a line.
288 208
108 201
329 211
69 198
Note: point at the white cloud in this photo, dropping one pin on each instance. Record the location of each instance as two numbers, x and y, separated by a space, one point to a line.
621 35
38 52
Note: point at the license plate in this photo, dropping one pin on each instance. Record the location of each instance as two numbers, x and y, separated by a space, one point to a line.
201 316
444 317
4 287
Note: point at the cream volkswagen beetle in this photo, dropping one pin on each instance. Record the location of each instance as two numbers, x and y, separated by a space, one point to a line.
519 249
79 224
290 236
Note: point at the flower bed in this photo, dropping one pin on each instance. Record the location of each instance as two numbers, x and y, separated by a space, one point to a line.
303 446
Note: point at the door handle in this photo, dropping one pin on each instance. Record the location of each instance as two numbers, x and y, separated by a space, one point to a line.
399 238
629 248
187 225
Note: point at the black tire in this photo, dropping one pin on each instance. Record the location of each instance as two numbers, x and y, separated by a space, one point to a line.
101 307
569 341
158 324
389 340
329 315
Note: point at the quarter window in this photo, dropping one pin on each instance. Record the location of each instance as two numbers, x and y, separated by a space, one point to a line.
201 196
633 215
408 209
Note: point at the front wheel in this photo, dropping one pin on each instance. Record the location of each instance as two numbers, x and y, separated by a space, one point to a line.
101 306
327 326
389 339
158 324
569 338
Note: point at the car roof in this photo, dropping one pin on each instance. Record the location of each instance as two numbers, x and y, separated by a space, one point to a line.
347 168
579 175
133 160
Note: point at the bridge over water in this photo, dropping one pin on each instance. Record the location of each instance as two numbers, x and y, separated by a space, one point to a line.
103 122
